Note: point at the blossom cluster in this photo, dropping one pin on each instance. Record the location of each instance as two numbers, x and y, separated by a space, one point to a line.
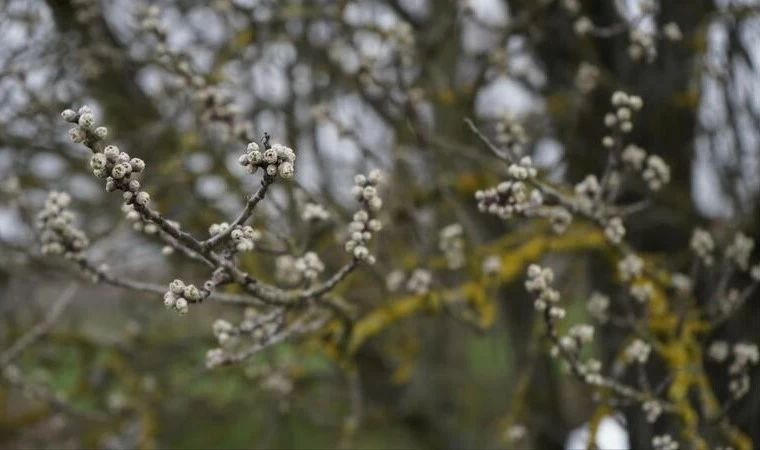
703 245
56 231
638 351
739 251
419 281
511 197
621 118
243 238
511 134
664 442
598 306
365 222
539 284
107 162
630 267
314 212
274 160
290 270
180 295
653 169
745 355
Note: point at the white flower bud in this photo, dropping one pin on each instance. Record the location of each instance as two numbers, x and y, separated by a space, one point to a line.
285 170
121 170
69 115
87 120
111 152
137 164
192 293
170 299
77 135
98 161
177 287
101 132
375 176
270 157
142 198
255 157
361 252
181 305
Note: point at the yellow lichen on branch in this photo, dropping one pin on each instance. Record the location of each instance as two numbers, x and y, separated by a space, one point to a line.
514 257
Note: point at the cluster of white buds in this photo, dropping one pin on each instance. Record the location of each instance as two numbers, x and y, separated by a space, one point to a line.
654 170
274 160
309 265
672 31
491 265
664 442
108 162
573 341
214 357
657 173
745 355
615 230
718 351
642 45
634 157
84 130
642 292
630 267
57 234
365 222
505 200
638 351
244 238
522 170
510 133
179 296
314 212
703 245
587 77
586 191
451 243
539 283
419 281
652 410
621 118
598 306
224 332
740 250
285 270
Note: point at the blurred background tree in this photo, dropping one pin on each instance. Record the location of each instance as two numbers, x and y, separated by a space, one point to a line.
440 354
